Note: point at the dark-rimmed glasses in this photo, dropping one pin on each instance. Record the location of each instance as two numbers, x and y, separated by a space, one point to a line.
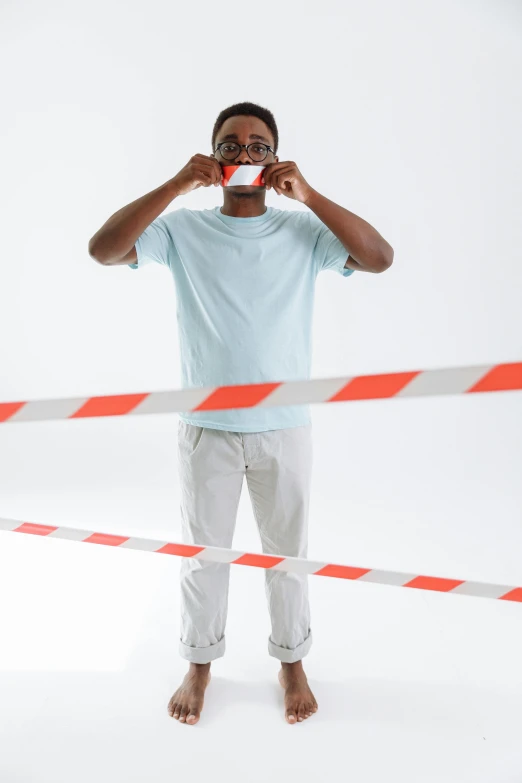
257 151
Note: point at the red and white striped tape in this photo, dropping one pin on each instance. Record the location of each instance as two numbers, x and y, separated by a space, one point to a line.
272 562
242 175
452 380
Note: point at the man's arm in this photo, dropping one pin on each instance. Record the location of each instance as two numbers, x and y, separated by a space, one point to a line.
367 250
114 242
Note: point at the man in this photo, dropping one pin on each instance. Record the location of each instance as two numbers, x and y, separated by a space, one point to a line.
244 276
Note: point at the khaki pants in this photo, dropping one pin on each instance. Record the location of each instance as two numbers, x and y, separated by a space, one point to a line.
278 466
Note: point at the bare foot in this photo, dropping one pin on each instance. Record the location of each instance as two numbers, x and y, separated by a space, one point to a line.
187 702
300 702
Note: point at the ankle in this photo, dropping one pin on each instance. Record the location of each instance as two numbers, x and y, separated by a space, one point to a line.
199 669
292 668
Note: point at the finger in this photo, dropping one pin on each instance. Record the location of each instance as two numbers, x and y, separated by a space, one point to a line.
211 165
218 171
279 179
203 158
205 162
274 174
269 171
205 176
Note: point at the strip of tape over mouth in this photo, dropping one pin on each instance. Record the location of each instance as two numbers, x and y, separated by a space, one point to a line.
242 175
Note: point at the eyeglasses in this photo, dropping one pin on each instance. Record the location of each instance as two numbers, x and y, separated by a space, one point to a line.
256 151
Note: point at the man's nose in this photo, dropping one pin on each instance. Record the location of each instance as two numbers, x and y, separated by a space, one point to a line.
243 157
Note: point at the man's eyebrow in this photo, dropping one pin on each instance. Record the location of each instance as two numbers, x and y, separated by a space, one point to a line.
252 136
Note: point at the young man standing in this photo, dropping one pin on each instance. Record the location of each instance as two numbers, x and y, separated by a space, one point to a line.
244 276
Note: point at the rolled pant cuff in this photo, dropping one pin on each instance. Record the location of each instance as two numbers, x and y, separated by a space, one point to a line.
285 655
202 654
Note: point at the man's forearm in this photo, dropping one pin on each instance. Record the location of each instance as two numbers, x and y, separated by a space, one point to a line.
119 234
363 243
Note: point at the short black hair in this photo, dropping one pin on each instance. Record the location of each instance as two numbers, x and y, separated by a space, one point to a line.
246 109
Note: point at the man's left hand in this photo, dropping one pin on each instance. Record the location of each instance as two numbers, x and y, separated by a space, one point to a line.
286 178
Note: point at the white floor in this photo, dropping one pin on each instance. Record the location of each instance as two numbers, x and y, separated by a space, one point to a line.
411 686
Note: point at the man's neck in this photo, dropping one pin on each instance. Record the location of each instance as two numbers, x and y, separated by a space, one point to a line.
243 207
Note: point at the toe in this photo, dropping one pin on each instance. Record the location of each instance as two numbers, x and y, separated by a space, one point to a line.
291 717
172 708
300 713
193 716
183 714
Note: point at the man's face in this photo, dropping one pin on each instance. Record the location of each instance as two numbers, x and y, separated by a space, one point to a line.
245 130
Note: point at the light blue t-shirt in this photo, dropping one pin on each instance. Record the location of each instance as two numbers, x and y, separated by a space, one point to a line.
245 295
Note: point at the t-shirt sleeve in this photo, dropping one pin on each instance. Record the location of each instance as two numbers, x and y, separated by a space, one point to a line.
154 245
328 251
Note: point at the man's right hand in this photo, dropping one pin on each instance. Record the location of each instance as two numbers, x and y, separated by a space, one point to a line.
200 170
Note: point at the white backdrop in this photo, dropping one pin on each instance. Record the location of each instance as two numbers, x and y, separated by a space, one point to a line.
408 114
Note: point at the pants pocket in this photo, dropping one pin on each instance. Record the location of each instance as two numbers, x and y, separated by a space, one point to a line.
189 438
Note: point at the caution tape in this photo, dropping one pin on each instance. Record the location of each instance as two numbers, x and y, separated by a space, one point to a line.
273 562
447 381
242 175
